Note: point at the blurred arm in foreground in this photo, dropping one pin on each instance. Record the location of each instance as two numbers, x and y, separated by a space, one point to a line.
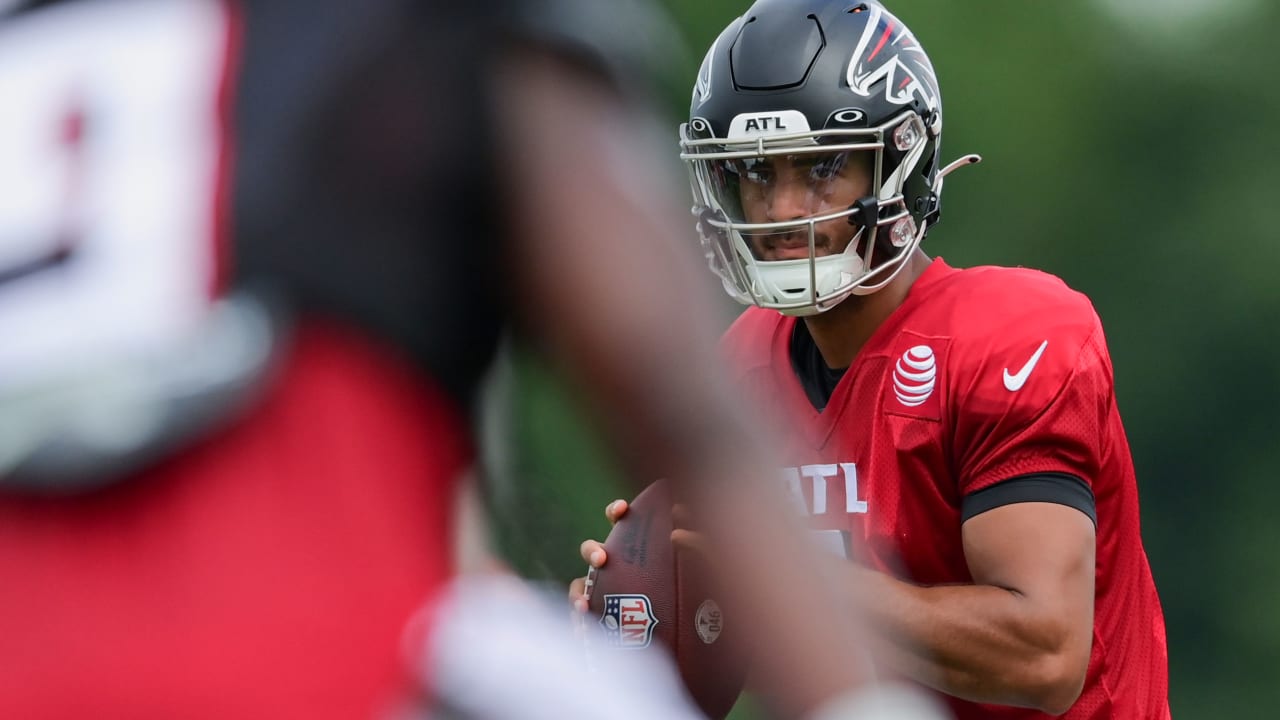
619 302
249 277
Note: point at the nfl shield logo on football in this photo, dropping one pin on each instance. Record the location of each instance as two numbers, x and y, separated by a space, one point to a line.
628 621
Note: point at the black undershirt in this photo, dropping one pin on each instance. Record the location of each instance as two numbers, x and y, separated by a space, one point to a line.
819 381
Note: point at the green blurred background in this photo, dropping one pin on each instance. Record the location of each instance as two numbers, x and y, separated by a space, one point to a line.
1131 148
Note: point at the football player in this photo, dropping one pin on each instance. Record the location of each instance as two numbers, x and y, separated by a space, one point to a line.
254 259
953 431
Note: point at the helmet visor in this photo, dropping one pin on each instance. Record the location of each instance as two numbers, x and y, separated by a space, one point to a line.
786 205
777 188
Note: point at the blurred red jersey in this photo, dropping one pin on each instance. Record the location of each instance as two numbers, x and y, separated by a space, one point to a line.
267 572
981 376
233 385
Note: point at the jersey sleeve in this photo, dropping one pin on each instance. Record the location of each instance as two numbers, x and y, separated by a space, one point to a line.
1033 398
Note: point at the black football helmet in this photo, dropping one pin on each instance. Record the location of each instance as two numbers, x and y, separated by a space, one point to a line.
841 95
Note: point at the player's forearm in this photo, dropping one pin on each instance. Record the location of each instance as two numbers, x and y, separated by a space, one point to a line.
977 642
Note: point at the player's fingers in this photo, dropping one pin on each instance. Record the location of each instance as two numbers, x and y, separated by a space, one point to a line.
680 516
615 510
689 540
593 553
578 594
577 588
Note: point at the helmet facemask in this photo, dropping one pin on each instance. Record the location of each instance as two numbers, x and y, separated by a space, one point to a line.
797 222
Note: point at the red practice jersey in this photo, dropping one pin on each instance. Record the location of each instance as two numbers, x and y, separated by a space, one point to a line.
981 376
267 572
204 514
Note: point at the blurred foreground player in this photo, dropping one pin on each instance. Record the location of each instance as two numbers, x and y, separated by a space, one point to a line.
254 258
954 431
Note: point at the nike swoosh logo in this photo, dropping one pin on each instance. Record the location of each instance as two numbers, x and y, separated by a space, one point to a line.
1014 383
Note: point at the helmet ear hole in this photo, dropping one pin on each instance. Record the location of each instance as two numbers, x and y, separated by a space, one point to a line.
860 7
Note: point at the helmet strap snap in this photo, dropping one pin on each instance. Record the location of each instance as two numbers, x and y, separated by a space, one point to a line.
903 232
867 211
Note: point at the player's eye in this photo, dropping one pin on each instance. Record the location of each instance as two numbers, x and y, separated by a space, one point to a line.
828 168
756 172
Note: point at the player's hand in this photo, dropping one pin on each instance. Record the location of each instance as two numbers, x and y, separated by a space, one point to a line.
683 537
594 556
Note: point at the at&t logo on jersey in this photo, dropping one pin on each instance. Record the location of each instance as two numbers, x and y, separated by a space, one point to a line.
628 621
915 381
914 376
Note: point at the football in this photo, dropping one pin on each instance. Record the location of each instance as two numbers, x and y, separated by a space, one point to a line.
651 597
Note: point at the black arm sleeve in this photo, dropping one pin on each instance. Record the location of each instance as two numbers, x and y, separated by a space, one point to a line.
1059 488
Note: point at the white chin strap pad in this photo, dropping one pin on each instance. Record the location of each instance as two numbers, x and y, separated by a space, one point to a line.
789 281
